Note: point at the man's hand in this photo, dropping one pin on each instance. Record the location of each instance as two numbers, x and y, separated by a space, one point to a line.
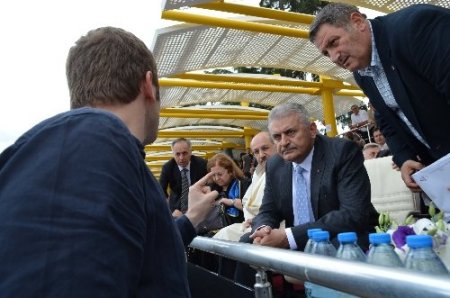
271 237
177 213
408 168
247 223
260 233
200 200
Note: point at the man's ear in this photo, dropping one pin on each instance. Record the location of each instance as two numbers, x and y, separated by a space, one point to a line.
358 20
149 89
313 129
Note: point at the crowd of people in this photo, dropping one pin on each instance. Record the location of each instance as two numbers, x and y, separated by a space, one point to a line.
81 215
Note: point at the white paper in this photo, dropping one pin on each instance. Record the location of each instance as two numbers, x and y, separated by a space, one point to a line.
435 182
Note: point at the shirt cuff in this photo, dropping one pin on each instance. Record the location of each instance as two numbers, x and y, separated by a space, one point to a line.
291 240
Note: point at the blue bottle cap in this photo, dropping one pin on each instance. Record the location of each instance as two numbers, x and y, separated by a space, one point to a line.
311 231
418 241
320 236
347 237
377 238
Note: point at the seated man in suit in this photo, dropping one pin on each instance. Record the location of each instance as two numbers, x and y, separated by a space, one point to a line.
182 164
313 182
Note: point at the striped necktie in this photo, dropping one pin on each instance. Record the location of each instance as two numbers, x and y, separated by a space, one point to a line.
184 190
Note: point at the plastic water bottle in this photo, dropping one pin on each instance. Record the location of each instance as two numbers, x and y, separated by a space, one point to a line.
310 242
421 256
348 248
321 246
381 251
307 249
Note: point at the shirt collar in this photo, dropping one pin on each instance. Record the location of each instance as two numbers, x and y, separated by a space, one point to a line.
188 167
307 162
375 59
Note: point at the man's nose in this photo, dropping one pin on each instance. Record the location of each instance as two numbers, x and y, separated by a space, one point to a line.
284 140
335 57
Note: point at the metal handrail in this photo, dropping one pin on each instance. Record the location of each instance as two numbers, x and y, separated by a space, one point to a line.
362 279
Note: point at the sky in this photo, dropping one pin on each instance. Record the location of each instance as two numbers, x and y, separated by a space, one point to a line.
35 39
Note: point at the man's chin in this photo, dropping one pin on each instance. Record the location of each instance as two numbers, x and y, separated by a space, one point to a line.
289 156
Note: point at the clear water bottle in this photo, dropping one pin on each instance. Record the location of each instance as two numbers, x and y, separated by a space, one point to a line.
381 251
421 256
310 242
321 246
348 248
307 249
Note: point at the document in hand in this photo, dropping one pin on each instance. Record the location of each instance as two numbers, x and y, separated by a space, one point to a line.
435 182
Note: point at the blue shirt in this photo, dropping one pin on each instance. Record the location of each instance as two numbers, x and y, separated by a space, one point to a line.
82 216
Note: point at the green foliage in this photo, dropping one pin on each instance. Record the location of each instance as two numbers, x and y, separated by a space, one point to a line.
303 6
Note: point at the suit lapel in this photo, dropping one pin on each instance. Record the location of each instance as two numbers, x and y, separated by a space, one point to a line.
393 74
317 170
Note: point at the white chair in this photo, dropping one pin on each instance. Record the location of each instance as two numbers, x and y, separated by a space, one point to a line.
389 192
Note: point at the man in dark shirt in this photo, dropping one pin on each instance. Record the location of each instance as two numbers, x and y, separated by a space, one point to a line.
81 215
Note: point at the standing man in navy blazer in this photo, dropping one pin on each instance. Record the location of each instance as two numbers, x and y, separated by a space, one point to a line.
171 173
402 62
337 188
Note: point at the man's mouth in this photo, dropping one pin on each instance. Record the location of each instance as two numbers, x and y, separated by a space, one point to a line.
286 151
344 63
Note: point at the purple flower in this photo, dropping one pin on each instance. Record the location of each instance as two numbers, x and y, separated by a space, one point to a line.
399 235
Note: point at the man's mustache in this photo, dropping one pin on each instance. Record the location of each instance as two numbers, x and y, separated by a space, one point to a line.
287 149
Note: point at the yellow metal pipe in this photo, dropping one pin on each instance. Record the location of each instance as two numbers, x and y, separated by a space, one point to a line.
182 16
328 112
157 148
201 134
261 12
207 133
167 82
200 112
250 80
350 93
157 157
214 115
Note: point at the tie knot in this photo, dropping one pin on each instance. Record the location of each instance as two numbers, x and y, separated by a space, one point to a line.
184 170
300 169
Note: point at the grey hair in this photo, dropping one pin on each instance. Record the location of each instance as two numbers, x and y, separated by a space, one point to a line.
371 145
285 109
188 142
335 14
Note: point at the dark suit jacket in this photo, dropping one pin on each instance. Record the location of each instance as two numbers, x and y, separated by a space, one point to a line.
171 177
340 192
414 48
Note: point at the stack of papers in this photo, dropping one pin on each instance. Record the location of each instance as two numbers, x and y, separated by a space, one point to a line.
435 182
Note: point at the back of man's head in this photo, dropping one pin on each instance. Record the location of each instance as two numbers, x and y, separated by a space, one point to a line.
107 67
371 150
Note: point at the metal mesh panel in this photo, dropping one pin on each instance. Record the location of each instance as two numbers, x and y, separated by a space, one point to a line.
392 5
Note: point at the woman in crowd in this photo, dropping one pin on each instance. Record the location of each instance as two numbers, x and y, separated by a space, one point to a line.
230 182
